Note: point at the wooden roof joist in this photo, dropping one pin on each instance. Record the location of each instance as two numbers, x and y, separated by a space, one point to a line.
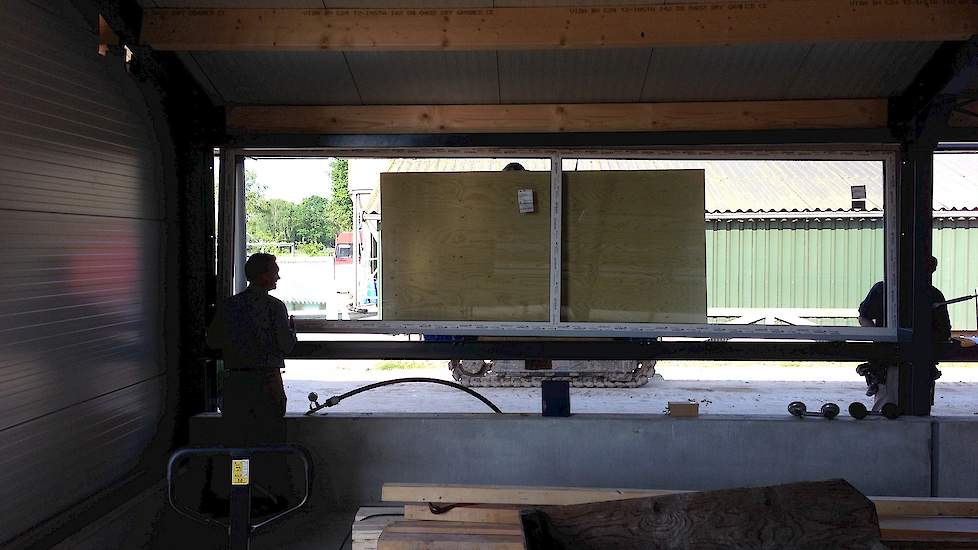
530 28
550 118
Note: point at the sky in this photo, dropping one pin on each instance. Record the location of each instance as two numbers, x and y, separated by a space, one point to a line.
292 179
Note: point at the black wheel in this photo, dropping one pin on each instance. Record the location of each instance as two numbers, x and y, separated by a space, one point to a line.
797 408
830 410
858 411
891 411
462 368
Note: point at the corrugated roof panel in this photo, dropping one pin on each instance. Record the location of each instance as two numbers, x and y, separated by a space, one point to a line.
280 78
859 69
731 185
722 72
572 76
425 77
956 181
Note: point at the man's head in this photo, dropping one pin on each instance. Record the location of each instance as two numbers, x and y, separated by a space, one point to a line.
513 167
262 271
932 264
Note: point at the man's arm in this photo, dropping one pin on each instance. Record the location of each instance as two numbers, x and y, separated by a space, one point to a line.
284 333
871 306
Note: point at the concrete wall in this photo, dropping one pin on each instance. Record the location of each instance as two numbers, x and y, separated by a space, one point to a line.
356 454
956 457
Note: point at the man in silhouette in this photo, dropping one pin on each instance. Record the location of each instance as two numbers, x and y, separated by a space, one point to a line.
254 331
881 380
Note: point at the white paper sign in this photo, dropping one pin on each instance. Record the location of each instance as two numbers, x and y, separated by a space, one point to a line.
524 198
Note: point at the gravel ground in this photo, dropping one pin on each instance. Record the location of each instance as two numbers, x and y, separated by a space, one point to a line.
720 388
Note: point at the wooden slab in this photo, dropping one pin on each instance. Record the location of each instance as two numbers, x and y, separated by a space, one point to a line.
800 516
455 247
634 248
508 514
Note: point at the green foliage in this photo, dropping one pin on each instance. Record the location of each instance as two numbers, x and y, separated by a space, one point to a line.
312 224
409 365
341 206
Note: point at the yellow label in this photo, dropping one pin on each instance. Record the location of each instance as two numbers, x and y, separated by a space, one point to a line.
239 471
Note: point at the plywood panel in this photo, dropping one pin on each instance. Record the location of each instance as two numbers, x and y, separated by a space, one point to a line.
634 247
456 248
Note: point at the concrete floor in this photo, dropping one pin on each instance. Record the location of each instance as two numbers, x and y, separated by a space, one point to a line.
719 388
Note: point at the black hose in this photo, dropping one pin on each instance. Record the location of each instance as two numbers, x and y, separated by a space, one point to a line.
336 399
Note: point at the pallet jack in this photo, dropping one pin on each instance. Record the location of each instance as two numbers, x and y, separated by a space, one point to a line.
239 526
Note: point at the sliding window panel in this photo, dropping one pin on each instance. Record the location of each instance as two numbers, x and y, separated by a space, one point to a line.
634 249
458 246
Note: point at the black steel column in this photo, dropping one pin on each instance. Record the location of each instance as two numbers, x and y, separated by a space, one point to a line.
915 203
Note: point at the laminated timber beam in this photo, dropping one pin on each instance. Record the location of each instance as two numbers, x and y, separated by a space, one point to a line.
531 28
562 118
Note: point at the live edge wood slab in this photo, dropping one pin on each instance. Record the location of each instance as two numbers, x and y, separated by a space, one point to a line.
800 516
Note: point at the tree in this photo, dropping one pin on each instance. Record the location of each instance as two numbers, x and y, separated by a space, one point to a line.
313 223
340 210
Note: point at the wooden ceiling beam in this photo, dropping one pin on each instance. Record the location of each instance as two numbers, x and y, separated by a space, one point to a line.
532 28
551 118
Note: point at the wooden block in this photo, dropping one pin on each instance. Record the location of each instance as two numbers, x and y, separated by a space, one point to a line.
455 247
503 494
634 249
508 514
369 522
683 408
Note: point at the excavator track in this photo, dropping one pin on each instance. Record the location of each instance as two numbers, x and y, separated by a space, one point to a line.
482 375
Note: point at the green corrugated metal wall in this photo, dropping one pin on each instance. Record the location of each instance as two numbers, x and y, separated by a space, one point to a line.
825 264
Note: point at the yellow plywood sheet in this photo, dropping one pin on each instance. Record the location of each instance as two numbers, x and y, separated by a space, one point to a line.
634 247
455 247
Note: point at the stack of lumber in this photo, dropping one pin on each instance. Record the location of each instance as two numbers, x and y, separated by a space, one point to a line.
488 517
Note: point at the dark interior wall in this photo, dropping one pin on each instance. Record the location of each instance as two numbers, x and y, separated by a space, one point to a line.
83 222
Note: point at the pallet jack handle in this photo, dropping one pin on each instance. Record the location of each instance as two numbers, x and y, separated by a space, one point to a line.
239 526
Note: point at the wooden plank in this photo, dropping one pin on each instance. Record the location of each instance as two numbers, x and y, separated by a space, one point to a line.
634 248
502 494
508 514
448 541
365 511
544 496
928 528
528 28
801 516
454 527
926 506
560 118
455 247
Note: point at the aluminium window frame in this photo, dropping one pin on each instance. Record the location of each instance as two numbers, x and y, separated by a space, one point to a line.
233 253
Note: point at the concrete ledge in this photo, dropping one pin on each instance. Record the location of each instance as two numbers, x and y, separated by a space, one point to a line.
356 454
